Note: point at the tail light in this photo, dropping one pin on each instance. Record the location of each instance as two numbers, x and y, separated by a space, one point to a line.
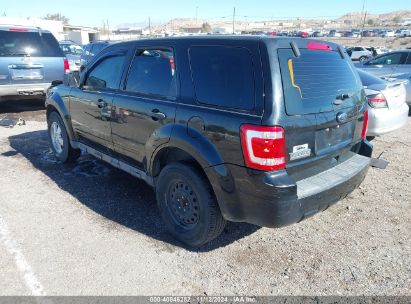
377 101
66 66
364 125
263 147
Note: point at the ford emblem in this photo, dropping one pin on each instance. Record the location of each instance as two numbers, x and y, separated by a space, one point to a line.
342 117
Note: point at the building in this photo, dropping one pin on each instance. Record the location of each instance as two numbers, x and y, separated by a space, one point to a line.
190 30
80 34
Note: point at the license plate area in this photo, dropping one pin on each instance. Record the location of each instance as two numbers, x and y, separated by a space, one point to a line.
21 74
334 138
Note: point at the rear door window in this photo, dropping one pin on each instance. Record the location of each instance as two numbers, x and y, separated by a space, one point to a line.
34 44
223 76
152 72
313 81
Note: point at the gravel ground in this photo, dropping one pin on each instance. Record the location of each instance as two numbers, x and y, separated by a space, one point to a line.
90 229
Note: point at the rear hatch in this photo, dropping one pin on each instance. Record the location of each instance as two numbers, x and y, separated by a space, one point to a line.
324 100
29 56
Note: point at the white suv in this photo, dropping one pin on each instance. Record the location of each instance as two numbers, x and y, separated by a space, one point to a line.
359 53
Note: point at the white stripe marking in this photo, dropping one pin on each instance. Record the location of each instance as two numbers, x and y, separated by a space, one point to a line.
23 266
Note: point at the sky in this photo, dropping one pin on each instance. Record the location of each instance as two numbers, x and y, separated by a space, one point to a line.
93 12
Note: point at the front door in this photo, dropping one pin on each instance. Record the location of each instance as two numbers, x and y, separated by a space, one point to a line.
91 103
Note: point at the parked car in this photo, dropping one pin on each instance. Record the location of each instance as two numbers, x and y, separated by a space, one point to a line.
388 64
359 53
30 59
216 139
403 33
92 49
406 79
73 52
387 33
387 109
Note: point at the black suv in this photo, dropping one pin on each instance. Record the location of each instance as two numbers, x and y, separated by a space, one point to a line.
249 129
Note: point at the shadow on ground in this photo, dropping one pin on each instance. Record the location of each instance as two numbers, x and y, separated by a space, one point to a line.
114 194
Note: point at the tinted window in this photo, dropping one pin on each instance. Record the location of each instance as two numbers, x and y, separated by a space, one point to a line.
106 74
223 76
367 79
313 81
152 72
394 58
71 49
34 44
408 58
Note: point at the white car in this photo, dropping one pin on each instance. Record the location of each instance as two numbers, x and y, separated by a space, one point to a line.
359 53
403 33
387 33
387 109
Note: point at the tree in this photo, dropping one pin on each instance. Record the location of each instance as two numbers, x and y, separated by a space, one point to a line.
396 19
206 28
370 22
57 17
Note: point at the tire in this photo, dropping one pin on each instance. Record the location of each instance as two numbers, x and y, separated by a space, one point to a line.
362 58
370 138
59 140
188 205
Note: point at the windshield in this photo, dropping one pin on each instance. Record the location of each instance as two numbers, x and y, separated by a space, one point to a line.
313 81
34 44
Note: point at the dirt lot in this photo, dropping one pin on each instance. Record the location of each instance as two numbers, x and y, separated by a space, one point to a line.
89 229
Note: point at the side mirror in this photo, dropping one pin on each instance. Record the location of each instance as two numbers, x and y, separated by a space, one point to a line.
55 83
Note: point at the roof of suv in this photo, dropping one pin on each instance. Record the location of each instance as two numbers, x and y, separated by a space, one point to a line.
19 28
283 42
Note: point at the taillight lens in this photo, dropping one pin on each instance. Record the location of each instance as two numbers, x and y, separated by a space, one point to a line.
66 66
377 101
364 125
263 147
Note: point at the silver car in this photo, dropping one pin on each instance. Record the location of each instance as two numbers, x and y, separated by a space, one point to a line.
387 110
389 64
406 78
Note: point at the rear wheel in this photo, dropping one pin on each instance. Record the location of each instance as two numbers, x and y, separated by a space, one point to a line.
59 140
187 205
362 58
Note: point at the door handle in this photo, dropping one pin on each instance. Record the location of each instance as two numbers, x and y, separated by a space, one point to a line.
157 115
101 103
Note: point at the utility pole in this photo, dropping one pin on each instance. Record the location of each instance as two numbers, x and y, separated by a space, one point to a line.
149 26
108 30
234 21
196 15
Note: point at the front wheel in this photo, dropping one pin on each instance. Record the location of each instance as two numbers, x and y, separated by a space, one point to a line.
59 140
188 205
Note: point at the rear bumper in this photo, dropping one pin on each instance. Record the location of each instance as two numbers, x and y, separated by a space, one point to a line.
274 199
386 120
32 89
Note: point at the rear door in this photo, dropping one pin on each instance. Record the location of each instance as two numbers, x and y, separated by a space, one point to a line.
323 96
147 103
29 57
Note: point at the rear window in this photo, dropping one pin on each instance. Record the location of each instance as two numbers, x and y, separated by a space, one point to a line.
367 79
34 44
223 76
313 81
